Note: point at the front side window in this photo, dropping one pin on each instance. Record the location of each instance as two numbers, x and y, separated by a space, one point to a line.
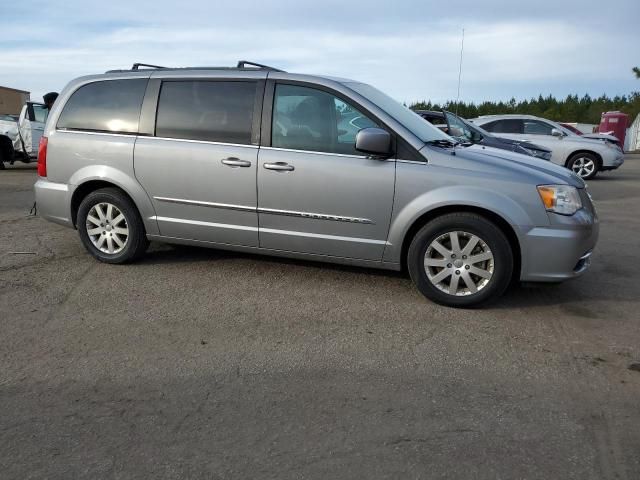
504 126
206 110
310 119
105 106
536 127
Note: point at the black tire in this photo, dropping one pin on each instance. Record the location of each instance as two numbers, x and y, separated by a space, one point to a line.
586 158
136 242
3 157
488 233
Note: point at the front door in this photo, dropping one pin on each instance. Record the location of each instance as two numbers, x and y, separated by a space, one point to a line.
38 114
316 193
200 167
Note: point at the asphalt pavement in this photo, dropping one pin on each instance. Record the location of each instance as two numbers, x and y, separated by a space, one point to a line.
197 363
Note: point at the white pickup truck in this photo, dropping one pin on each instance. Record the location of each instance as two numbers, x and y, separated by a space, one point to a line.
19 138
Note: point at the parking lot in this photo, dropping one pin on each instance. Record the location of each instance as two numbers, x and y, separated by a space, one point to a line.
201 363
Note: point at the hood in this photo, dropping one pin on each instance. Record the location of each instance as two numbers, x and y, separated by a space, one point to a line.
515 143
602 136
498 161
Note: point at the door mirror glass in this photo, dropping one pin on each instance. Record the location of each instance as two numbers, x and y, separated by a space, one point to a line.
374 141
556 133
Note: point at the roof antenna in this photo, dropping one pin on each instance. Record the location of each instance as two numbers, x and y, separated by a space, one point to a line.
460 73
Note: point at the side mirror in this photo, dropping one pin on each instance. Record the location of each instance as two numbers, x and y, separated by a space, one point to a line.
374 141
556 133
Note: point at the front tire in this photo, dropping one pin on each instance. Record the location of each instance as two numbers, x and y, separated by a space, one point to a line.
585 165
110 227
460 260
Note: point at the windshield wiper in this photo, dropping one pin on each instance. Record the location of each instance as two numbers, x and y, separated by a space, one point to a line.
442 143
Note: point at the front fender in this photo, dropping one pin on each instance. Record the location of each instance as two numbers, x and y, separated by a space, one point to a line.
406 214
124 181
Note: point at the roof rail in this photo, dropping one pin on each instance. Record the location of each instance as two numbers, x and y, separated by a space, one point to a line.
245 63
136 66
242 65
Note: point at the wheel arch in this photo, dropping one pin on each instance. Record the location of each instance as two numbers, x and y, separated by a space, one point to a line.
119 180
583 151
490 215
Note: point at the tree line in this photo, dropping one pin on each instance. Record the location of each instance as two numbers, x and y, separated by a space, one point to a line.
584 109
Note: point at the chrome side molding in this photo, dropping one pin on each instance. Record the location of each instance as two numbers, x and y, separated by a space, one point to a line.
273 211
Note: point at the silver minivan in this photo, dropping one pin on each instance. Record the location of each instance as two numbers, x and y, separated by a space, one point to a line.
259 160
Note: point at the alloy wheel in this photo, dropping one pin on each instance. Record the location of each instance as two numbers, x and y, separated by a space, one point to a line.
583 166
459 263
107 228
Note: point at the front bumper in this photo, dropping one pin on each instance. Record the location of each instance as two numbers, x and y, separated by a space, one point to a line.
53 201
560 251
611 162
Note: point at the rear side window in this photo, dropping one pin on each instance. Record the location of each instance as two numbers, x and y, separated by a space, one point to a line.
106 106
214 111
504 126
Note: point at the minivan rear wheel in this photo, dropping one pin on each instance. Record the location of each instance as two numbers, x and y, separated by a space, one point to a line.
110 226
460 260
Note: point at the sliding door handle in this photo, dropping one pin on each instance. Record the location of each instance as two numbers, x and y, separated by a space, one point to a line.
279 166
236 162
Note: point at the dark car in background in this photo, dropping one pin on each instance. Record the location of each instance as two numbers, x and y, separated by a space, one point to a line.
467 132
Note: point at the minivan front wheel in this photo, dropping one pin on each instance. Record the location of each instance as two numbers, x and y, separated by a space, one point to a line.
110 226
460 260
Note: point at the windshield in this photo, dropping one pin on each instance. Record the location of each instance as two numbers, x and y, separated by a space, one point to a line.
463 130
410 120
571 128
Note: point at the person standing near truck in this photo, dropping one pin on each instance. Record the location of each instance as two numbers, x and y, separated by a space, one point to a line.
49 99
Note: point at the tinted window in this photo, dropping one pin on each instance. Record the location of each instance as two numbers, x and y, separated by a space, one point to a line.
206 110
107 106
504 126
309 119
535 127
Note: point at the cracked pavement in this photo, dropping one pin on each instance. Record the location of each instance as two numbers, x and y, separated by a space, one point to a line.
198 363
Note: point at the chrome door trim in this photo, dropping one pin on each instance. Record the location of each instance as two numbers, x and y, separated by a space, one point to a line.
228 206
206 142
313 152
418 162
93 132
273 211
316 216
204 224
292 233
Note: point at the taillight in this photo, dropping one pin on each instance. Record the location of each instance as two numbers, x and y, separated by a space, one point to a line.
42 157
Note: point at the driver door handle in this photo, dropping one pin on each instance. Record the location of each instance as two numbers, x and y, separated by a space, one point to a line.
236 162
279 166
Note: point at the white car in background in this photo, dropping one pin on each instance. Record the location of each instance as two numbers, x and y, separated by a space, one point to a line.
20 135
585 156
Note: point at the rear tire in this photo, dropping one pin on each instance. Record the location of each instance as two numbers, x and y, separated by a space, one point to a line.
585 165
110 227
460 260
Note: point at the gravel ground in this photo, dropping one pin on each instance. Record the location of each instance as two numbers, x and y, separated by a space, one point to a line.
198 363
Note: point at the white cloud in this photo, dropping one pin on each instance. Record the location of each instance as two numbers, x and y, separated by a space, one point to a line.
409 64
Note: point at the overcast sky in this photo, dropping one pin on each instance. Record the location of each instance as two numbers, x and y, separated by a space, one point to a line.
408 48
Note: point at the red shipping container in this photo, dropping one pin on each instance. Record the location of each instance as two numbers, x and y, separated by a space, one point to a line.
615 122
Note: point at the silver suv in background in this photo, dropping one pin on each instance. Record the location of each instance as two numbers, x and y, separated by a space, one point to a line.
259 160
584 156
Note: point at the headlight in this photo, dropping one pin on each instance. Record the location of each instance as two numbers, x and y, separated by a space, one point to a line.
562 199
537 153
